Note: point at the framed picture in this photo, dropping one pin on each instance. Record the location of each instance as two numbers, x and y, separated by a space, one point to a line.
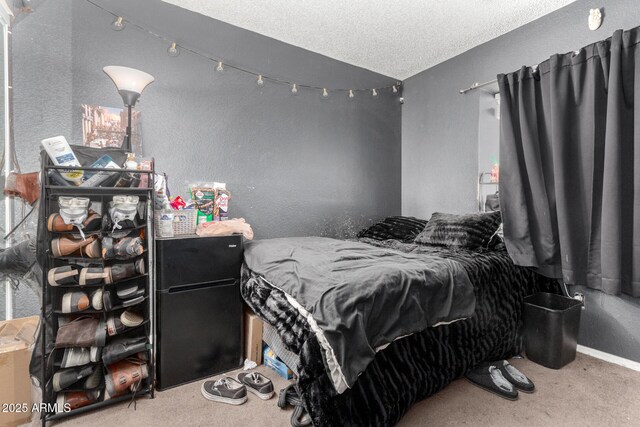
106 127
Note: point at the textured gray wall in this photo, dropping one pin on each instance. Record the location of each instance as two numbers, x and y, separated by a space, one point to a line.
295 165
440 138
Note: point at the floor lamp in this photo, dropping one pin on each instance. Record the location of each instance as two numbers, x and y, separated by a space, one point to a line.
130 83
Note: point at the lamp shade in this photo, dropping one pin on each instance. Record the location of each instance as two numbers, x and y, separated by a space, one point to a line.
129 81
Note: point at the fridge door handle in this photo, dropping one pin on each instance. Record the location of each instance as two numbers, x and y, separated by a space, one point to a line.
203 285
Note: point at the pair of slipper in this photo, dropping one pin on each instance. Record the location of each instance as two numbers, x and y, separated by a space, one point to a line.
500 378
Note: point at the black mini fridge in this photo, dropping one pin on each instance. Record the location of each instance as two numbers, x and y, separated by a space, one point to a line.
198 308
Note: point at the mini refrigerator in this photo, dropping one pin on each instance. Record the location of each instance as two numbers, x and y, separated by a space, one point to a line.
198 308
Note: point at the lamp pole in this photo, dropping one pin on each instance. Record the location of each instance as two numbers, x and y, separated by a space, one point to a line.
127 138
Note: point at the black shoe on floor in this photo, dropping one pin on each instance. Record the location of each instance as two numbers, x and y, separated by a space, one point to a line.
257 384
491 379
225 390
515 377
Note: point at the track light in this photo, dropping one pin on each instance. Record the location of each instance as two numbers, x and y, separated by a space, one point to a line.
118 24
294 89
260 82
351 94
374 92
325 94
173 50
220 67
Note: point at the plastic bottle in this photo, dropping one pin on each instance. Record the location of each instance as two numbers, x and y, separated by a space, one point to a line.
61 154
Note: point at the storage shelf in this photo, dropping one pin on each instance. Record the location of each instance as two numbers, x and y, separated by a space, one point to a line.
50 192
76 234
70 258
64 190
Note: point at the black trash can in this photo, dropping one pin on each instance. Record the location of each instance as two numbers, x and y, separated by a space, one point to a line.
551 324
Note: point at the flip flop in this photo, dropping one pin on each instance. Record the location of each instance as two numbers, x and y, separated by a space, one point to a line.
489 377
515 377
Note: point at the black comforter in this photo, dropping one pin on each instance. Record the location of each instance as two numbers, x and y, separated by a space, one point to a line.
360 298
414 367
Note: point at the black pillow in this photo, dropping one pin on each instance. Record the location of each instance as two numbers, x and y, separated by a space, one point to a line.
469 231
404 228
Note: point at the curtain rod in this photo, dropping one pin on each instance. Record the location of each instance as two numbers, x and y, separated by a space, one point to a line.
477 85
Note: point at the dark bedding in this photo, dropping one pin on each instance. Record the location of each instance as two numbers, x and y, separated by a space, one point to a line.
349 288
414 367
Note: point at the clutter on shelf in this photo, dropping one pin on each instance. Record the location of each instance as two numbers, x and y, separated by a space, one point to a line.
205 212
106 171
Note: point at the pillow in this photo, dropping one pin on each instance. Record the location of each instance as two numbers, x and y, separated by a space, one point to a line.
469 231
404 228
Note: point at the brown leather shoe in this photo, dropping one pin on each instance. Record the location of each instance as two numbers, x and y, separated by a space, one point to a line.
74 400
66 245
81 332
92 223
124 374
23 185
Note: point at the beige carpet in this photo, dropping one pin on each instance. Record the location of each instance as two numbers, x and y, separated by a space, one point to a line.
587 392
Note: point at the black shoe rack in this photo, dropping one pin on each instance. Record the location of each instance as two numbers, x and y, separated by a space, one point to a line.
52 313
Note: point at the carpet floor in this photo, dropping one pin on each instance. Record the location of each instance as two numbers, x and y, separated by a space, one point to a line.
587 392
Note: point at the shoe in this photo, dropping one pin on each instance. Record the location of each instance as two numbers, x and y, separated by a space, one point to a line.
96 299
257 384
111 301
125 374
94 275
83 332
515 377
93 222
78 356
75 399
121 348
73 210
75 301
67 275
225 390
131 318
94 380
23 185
129 291
127 247
490 378
115 325
67 245
123 211
65 378
92 250
126 270
114 273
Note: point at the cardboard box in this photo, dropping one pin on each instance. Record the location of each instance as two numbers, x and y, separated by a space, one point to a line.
16 340
274 362
252 337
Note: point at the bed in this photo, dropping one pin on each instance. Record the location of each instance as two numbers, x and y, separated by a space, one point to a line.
410 366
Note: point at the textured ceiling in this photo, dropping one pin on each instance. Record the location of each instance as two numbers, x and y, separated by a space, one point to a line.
397 38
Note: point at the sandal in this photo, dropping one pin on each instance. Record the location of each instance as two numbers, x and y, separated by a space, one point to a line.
290 396
489 377
515 377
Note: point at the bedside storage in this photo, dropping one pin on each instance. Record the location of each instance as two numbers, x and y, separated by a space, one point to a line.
198 308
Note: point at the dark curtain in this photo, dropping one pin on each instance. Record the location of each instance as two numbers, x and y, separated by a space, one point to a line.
570 165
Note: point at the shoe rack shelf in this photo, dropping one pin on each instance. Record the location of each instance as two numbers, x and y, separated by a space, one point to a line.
52 311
